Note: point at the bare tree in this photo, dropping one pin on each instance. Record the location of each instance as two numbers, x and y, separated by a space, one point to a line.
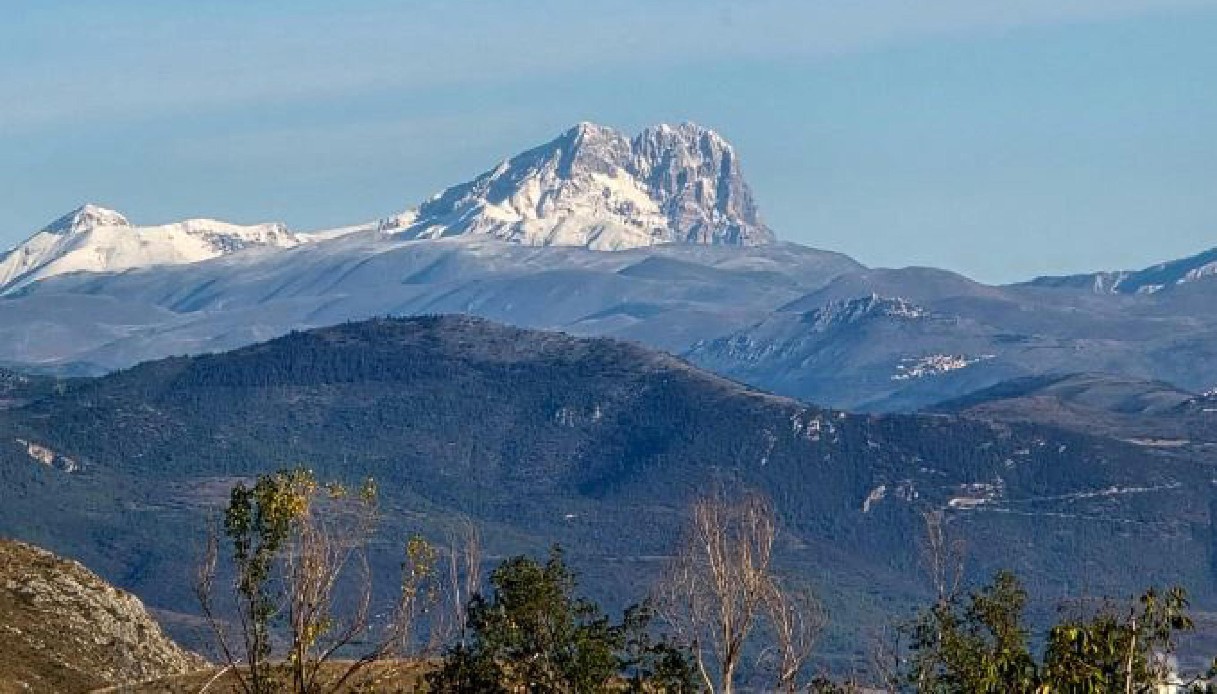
296 545
204 590
463 580
887 651
942 557
796 619
719 583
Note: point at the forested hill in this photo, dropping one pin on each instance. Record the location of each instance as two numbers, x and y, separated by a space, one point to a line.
597 444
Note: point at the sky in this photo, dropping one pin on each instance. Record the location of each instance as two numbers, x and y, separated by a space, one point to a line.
1003 139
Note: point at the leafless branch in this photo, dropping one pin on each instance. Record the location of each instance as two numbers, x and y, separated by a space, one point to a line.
796 619
719 583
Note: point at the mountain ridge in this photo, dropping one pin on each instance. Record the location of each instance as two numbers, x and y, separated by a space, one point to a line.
526 243
95 239
1149 280
591 186
63 628
596 444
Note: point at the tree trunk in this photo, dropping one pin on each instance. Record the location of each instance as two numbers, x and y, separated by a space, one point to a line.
1132 650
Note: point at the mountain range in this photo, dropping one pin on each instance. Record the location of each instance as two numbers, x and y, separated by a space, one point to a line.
591 187
654 238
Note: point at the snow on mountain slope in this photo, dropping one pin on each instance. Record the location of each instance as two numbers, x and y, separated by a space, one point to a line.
595 187
94 239
592 187
667 296
1150 280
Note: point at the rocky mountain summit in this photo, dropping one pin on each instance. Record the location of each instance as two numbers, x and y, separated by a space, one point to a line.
64 629
595 187
84 218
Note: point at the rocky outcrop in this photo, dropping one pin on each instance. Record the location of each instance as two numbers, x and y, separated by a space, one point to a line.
64 629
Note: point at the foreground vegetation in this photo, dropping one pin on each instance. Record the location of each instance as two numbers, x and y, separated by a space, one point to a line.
300 615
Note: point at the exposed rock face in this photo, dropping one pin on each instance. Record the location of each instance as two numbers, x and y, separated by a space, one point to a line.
64 629
790 334
593 186
850 311
696 175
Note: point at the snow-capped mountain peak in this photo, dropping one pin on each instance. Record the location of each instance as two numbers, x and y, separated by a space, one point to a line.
697 175
85 217
593 186
96 239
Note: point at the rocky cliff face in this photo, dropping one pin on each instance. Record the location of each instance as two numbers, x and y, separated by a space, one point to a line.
64 629
697 177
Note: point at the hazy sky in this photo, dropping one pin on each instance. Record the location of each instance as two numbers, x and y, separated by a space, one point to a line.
999 138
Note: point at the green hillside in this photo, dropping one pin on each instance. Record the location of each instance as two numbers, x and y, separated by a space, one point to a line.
596 444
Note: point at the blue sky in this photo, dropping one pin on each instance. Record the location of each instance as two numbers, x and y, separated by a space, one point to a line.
999 138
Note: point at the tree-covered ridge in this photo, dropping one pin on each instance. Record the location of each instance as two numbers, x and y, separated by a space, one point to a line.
595 444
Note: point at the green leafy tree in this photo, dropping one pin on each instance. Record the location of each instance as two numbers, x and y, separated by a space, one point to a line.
292 541
531 634
979 646
1114 652
651 664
